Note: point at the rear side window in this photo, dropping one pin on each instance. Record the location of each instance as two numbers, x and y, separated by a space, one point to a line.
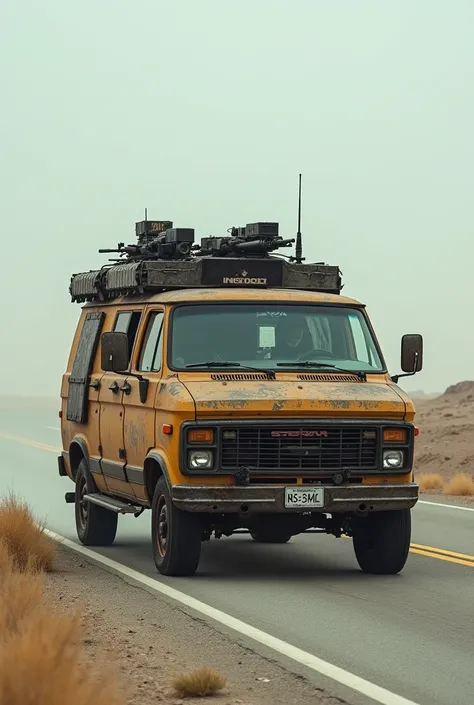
127 322
78 393
151 352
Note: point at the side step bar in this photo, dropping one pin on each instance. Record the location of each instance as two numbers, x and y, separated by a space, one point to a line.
113 505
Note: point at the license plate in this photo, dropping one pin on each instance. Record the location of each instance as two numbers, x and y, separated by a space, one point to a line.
303 497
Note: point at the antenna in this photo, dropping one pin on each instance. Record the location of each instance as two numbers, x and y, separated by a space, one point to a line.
299 248
146 224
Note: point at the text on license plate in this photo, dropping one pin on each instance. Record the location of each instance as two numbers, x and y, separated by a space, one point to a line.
304 497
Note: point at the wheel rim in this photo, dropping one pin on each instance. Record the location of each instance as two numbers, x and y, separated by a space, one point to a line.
82 508
162 527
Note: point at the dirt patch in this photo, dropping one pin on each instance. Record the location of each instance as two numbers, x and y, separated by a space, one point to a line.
153 642
445 445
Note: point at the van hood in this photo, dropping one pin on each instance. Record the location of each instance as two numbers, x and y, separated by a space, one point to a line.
296 398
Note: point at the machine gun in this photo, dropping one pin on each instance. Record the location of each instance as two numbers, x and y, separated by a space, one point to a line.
172 244
255 240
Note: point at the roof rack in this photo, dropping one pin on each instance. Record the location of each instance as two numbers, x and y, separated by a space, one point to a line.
166 258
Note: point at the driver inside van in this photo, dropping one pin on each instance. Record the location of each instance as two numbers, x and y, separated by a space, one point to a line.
293 338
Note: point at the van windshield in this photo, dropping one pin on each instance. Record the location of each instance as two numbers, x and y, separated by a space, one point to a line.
264 335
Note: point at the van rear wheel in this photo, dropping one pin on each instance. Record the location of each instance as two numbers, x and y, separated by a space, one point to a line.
176 535
95 526
382 541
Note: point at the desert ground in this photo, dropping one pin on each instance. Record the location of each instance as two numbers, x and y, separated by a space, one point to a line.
445 447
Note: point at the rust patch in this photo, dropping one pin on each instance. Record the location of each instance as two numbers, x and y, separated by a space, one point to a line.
340 403
175 389
223 404
136 434
207 404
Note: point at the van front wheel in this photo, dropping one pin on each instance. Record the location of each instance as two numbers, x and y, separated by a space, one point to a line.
176 535
382 541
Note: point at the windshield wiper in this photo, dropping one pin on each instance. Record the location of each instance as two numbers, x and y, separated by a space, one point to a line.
215 363
323 365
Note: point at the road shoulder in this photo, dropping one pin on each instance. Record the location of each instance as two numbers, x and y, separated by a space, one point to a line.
150 641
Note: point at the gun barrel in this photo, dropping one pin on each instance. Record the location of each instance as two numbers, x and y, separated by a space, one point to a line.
261 246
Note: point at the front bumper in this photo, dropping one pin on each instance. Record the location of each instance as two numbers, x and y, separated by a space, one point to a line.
232 499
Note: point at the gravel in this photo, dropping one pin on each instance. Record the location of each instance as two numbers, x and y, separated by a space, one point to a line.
148 641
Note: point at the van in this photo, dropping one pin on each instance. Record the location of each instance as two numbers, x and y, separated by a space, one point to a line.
224 405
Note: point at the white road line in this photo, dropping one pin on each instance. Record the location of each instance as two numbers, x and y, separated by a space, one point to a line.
360 685
448 506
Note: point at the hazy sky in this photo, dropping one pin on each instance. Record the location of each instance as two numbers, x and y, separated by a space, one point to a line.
205 112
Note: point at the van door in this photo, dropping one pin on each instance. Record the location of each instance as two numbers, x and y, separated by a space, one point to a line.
139 427
81 387
112 409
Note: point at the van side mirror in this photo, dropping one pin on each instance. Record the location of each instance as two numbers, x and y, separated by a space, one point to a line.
412 356
412 353
114 352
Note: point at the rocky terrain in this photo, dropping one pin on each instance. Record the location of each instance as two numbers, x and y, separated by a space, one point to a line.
446 441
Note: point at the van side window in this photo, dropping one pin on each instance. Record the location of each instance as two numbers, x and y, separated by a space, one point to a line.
78 395
127 322
150 355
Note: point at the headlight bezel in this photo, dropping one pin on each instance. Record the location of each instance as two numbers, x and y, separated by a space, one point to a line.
394 452
197 439
204 452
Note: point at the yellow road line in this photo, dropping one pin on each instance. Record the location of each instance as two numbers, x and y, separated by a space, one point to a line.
440 557
28 442
443 551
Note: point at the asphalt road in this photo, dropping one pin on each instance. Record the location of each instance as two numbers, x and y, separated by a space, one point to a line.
412 633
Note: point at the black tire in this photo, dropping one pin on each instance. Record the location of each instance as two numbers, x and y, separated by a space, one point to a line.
262 536
95 526
382 541
176 535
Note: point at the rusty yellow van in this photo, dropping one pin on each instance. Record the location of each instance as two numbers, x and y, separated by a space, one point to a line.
225 388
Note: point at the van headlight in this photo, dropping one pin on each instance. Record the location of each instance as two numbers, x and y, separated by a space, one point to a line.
200 459
393 459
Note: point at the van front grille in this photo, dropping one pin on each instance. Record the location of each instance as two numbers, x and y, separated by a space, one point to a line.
304 448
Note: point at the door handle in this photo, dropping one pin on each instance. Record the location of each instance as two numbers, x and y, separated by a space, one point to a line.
95 385
126 388
114 388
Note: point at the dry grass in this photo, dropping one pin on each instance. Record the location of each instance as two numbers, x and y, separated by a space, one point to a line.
429 481
42 663
199 684
21 595
28 545
41 657
460 485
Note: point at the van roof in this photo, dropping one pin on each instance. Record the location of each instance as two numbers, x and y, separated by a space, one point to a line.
230 294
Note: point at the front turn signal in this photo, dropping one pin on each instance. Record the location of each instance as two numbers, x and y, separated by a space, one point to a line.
201 435
395 435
